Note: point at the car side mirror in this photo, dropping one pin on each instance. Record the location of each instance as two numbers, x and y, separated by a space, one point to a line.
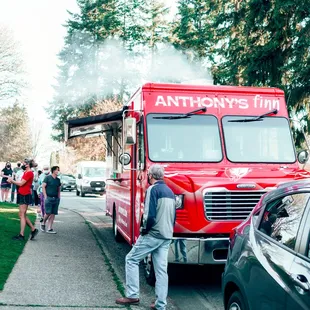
125 159
79 176
130 130
303 156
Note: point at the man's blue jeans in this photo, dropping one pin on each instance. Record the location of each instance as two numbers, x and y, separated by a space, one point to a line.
159 249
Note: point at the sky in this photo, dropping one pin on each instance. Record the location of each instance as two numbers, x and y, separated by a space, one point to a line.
37 26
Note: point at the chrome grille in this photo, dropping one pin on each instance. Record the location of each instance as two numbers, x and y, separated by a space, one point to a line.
230 206
97 183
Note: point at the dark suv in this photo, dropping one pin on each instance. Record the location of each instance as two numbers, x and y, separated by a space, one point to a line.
68 182
268 265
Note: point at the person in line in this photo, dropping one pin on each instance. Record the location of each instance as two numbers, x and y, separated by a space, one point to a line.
5 185
15 173
18 177
46 171
35 185
51 192
180 243
155 238
24 199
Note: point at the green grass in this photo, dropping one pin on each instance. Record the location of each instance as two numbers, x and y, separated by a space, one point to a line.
10 249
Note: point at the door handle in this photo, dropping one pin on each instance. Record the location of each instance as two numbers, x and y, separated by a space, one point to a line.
301 281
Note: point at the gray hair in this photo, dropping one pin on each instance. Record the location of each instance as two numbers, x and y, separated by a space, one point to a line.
157 171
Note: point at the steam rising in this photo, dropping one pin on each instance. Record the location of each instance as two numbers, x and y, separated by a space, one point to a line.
110 68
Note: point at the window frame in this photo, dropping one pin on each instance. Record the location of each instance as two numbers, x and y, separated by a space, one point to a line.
141 158
304 242
255 162
300 231
179 161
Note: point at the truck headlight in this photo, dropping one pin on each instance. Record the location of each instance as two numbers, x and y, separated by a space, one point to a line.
179 202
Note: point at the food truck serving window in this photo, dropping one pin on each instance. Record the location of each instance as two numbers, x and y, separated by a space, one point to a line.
267 140
195 138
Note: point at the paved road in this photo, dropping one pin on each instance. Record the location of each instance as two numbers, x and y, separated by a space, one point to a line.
193 287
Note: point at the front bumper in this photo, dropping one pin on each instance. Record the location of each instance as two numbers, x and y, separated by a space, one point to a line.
68 186
198 251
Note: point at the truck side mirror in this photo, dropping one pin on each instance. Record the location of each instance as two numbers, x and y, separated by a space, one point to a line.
79 176
303 156
130 130
125 159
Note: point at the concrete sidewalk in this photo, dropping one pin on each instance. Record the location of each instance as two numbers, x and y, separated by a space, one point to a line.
63 271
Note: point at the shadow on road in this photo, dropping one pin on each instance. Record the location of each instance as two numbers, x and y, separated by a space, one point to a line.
195 275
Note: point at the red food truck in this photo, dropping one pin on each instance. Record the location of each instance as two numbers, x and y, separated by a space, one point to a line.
222 147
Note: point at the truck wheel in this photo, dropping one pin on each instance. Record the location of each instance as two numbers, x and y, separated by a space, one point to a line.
77 192
149 272
117 236
236 302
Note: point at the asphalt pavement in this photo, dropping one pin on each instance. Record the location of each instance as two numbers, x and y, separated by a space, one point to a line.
82 267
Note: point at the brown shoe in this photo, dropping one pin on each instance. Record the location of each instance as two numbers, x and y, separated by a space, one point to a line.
127 301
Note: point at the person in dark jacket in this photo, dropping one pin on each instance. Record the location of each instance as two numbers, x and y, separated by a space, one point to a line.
155 238
5 185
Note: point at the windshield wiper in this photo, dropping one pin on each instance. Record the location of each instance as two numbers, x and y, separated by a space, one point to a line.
187 115
254 119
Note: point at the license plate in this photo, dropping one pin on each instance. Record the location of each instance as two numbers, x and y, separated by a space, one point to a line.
98 188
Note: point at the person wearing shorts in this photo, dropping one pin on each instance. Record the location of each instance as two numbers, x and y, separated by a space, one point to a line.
24 199
46 171
51 192
5 185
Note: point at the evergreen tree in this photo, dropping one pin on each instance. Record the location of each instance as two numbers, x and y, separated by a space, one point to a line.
93 67
190 30
254 43
265 43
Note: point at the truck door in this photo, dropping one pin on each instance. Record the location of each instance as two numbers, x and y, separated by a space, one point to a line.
139 179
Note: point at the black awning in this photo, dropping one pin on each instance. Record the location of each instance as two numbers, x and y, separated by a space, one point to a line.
90 120
91 124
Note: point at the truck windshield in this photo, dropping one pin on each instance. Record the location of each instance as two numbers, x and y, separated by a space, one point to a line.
192 139
268 140
91 172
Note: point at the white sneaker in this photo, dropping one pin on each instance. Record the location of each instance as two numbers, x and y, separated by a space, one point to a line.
51 231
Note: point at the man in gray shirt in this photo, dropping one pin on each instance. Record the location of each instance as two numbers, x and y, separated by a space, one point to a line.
51 192
155 238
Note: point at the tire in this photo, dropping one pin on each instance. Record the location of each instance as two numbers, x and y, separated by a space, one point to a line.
117 236
149 271
70 190
77 193
236 302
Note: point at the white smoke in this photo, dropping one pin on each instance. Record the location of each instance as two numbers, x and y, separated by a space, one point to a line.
110 66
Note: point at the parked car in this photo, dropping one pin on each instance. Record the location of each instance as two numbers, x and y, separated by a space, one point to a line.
68 182
268 265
